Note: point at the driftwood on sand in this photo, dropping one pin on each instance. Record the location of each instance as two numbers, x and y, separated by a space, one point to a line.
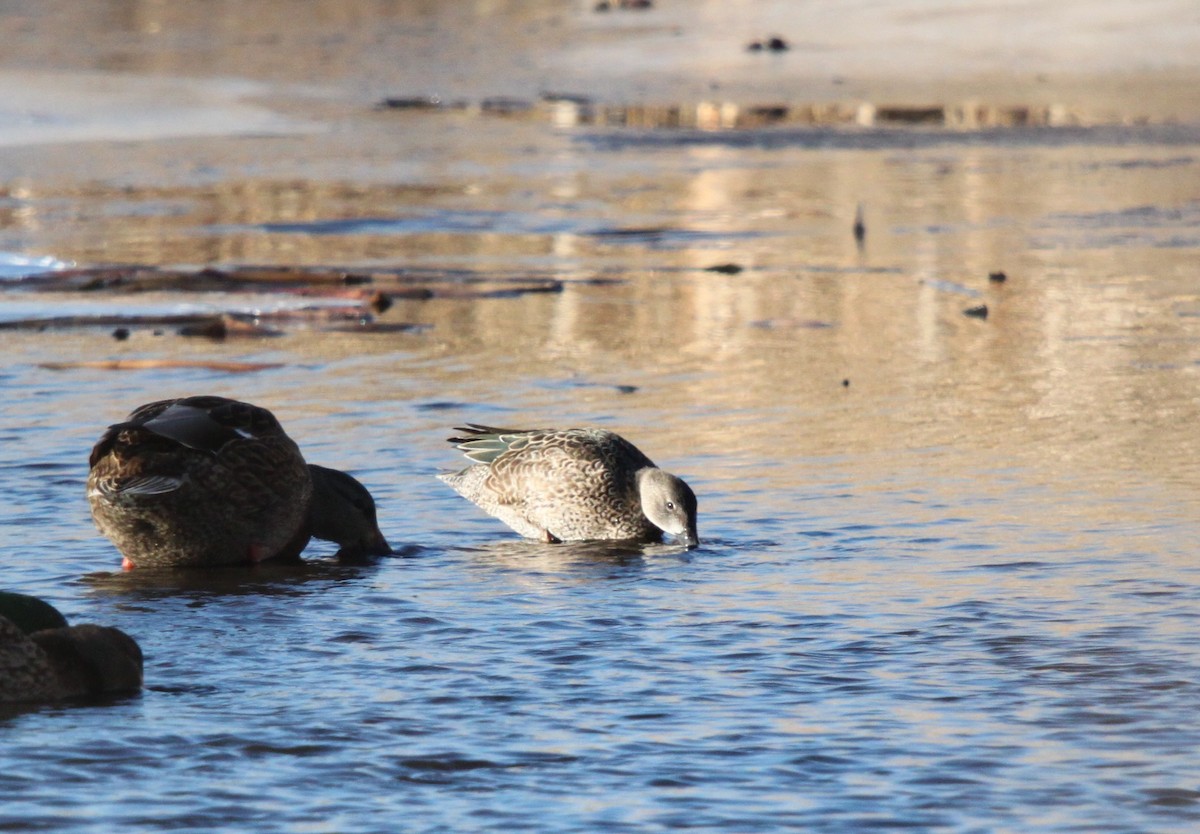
342 300
147 364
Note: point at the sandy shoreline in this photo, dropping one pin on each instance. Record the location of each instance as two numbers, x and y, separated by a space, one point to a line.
1114 59
180 71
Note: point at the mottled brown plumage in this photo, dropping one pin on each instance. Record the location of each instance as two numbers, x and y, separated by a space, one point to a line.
572 485
204 481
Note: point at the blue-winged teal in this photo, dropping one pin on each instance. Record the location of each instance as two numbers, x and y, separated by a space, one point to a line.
572 485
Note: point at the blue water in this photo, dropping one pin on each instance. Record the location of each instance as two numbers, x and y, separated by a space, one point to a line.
847 651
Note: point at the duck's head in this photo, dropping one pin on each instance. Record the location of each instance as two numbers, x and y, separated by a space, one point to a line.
92 659
343 511
669 504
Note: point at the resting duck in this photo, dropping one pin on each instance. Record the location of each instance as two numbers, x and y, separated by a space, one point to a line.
205 481
58 661
572 485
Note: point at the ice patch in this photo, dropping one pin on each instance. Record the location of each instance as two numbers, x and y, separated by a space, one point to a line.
14 266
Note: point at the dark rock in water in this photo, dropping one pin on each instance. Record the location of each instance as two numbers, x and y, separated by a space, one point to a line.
121 334
771 44
997 277
379 302
725 269
214 328
412 103
978 312
224 327
860 226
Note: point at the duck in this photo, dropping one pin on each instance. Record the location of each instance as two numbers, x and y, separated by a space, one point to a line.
577 484
59 661
206 481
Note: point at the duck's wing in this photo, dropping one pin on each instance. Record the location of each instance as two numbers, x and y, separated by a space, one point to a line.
483 444
204 424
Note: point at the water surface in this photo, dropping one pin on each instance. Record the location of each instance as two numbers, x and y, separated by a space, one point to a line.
947 580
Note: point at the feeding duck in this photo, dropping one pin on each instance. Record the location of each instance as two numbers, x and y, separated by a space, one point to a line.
205 481
572 485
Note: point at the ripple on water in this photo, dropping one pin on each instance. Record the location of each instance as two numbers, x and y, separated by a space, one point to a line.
901 617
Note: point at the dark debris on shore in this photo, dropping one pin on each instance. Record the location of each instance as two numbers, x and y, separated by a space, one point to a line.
343 300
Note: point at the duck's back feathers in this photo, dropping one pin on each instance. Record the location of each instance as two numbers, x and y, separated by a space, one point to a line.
486 444
200 481
555 484
203 424
483 444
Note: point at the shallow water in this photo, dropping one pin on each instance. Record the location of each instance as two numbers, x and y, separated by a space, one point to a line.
947 579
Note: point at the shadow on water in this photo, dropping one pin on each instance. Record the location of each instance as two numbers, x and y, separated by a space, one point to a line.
270 579
576 557
10 711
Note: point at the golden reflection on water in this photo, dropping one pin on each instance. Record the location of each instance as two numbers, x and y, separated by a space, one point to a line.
1085 368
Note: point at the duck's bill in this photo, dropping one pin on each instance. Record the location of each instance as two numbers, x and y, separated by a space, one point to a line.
374 545
378 546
